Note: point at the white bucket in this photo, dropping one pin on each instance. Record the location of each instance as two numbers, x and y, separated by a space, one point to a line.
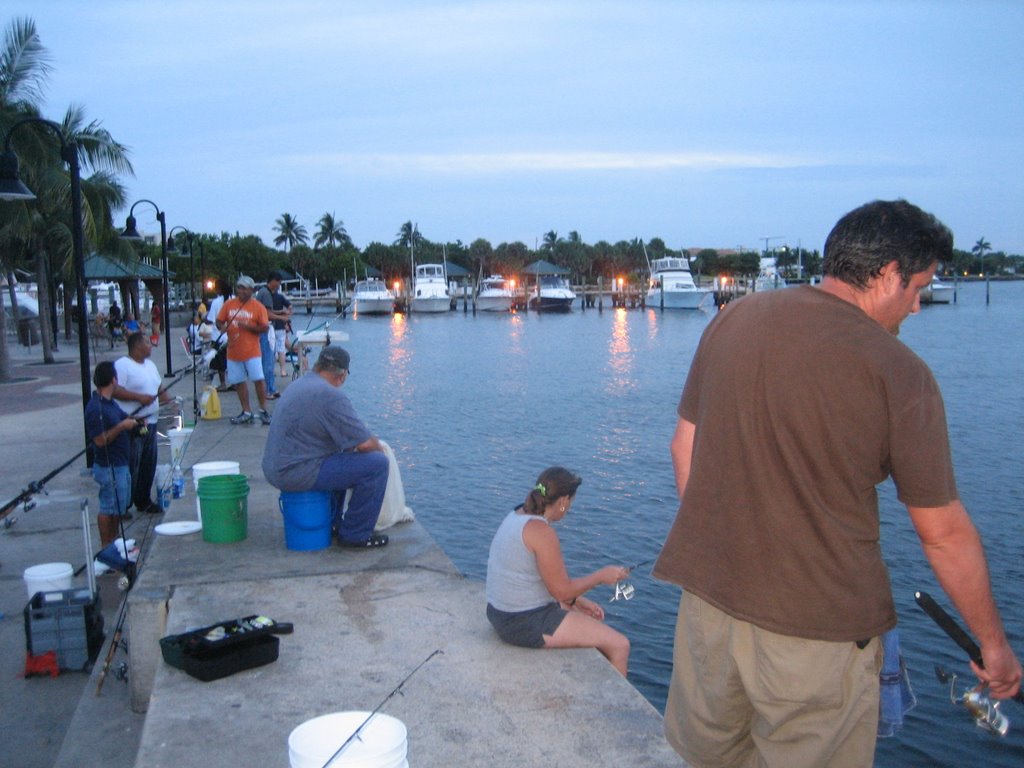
381 744
48 577
179 439
208 469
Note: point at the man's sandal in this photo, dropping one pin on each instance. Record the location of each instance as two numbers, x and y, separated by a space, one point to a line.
376 540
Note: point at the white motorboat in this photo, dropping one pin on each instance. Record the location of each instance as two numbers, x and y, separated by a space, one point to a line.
430 289
495 294
372 297
552 294
672 285
769 281
937 292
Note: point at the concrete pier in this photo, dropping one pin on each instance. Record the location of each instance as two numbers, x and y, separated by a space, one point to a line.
363 620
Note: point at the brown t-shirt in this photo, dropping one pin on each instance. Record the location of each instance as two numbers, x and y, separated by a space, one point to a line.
802 405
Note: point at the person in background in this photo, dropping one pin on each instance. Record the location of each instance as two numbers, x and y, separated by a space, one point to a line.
155 321
281 327
797 404
195 334
267 296
318 443
243 319
109 430
531 600
219 340
138 390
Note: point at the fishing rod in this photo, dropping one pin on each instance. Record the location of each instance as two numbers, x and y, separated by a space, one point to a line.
380 706
985 712
956 633
38 486
623 589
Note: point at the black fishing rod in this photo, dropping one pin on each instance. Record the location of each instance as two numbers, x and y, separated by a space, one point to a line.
398 688
37 486
956 633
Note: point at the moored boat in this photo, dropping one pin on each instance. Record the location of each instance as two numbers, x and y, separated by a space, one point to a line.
552 294
495 294
672 285
430 289
937 292
372 297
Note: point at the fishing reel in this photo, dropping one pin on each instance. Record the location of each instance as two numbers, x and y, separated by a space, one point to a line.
623 591
985 712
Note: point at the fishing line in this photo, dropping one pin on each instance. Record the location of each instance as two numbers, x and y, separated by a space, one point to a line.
397 689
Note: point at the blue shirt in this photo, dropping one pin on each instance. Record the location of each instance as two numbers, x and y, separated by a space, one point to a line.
312 421
100 415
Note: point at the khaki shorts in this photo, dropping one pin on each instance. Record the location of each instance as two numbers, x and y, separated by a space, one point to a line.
743 696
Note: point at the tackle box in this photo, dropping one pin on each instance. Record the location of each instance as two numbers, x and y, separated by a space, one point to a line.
67 621
210 653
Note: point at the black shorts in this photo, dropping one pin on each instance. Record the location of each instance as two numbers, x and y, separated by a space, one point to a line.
526 628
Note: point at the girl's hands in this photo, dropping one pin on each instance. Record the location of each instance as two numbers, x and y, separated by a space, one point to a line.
612 574
589 607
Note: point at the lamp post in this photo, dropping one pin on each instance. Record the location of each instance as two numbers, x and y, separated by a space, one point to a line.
171 248
12 188
132 233
192 293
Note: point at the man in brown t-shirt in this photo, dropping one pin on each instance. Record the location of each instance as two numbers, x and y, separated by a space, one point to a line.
797 405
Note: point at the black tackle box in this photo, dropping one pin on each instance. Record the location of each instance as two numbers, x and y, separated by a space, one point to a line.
222 649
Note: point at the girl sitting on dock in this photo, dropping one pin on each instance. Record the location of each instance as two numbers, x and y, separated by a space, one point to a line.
531 601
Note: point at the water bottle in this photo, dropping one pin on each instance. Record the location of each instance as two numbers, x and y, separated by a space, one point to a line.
177 483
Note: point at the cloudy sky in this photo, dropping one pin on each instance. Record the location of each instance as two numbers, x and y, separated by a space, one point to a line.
711 124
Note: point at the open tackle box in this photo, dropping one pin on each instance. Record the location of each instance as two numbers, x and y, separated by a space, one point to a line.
222 649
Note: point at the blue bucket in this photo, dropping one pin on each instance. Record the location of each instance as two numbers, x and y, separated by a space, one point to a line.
307 519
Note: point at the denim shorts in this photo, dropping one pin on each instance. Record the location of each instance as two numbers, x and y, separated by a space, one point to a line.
526 628
115 488
240 370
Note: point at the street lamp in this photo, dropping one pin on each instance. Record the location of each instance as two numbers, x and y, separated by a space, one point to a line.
12 188
171 248
132 233
192 292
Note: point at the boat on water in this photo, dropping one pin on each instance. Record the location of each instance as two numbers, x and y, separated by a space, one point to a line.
769 281
495 294
552 294
430 289
937 292
372 297
672 285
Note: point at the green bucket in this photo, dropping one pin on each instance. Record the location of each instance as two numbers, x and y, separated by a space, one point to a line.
224 502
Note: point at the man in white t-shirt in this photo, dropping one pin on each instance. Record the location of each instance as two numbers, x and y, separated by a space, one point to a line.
139 395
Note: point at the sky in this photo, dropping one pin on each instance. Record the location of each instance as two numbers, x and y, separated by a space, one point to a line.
718 124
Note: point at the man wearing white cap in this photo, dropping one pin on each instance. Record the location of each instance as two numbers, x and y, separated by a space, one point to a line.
244 319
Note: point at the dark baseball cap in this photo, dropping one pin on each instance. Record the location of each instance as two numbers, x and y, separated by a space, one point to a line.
333 357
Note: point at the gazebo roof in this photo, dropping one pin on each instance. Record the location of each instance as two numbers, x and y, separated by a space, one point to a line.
542 267
108 268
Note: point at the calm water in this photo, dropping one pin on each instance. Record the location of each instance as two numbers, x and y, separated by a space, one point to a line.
476 406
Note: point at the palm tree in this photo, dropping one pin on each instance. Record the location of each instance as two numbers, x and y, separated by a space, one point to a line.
331 232
291 233
24 66
980 248
409 235
551 239
41 228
